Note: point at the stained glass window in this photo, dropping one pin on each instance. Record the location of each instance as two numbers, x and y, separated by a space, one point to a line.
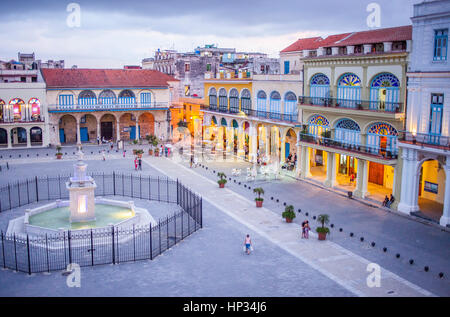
348 125
262 95
275 95
349 80
319 120
385 80
35 106
320 79
382 128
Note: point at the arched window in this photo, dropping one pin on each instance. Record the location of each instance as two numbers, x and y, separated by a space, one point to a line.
213 98
223 122
349 91
87 97
17 106
246 101
2 111
35 105
319 89
382 139
348 132
384 92
318 124
65 100
126 97
275 105
261 104
107 97
234 100
223 100
290 104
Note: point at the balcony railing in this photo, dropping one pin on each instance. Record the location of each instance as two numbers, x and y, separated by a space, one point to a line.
292 118
32 120
378 106
115 106
373 150
425 139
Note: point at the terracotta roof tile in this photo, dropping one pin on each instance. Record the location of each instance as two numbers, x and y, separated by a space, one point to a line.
303 44
104 78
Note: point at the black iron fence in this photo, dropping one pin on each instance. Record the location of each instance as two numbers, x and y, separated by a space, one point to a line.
110 245
289 117
379 106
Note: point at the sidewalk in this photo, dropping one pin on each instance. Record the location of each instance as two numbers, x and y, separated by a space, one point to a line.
340 265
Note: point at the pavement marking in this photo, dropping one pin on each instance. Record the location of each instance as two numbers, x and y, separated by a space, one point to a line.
335 262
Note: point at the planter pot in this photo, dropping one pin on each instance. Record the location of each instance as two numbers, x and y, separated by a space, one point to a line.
288 220
221 185
150 152
259 203
140 155
58 156
322 235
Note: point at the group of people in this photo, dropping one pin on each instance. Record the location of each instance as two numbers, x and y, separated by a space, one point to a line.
137 163
387 202
305 229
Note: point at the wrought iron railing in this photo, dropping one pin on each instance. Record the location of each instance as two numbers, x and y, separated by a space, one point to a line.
374 150
379 106
114 106
293 118
37 120
425 139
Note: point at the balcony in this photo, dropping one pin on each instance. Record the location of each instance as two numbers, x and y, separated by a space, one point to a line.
369 150
425 139
291 118
364 105
20 121
108 107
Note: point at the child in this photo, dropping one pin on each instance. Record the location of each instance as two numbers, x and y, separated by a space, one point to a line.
135 163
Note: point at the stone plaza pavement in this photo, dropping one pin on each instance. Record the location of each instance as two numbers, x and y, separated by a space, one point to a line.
340 265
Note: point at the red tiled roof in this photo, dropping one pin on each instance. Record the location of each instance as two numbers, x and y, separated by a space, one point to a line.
303 44
401 33
104 78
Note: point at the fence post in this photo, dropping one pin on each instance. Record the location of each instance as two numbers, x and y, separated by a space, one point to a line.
159 229
70 246
151 246
28 255
189 222
201 212
175 226
113 255
3 251
28 192
37 191
134 245
118 253
114 182
182 220
140 186
92 249
9 196
46 247
178 198
167 230
15 251
64 237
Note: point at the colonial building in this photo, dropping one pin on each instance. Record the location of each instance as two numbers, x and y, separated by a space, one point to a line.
353 110
23 115
107 104
426 142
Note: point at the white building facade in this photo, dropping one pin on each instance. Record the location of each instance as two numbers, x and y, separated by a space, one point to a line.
426 141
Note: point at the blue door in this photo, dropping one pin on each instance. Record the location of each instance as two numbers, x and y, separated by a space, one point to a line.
133 132
287 149
286 67
437 102
84 137
62 136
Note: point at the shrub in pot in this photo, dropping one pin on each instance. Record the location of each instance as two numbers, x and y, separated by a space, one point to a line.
259 191
288 213
58 152
222 179
322 231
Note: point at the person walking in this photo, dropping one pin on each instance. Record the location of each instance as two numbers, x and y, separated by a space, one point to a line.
247 243
303 230
135 163
124 151
307 228
104 155
192 160
140 164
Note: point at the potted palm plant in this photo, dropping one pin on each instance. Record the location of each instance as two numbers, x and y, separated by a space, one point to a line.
138 152
288 213
259 201
58 152
222 179
322 231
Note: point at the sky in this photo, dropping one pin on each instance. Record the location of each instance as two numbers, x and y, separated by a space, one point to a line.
114 33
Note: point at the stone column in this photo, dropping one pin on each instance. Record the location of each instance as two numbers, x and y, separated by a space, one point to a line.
253 146
117 131
8 136
99 130
230 139
298 152
304 162
136 137
331 170
387 46
267 131
78 131
445 218
367 48
410 182
28 137
361 179
219 140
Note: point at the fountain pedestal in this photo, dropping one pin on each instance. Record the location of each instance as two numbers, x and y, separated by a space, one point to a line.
81 193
